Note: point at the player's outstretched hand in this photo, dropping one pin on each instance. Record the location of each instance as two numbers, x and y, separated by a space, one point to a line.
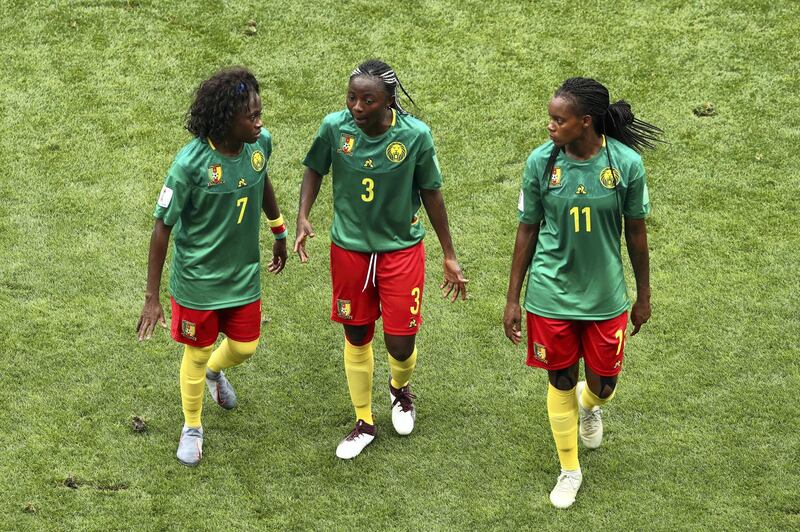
454 282
152 314
640 313
304 230
511 322
278 256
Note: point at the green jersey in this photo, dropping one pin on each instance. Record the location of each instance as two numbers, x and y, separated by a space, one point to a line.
214 202
376 180
576 272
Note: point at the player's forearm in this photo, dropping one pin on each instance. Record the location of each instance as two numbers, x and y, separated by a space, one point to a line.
270 202
309 190
159 241
437 214
525 244
636 242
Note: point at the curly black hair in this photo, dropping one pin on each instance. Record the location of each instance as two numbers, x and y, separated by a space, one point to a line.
218 99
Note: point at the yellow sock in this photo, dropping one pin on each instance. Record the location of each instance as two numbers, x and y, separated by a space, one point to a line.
562 409
358 366
589 400
402 369
231 353
193 383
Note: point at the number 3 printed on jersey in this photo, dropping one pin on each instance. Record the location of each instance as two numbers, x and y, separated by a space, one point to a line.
369 193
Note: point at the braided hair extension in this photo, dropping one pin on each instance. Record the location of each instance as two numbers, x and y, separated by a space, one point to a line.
218 99
616 120
379 69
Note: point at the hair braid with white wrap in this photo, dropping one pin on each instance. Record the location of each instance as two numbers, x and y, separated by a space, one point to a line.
378 69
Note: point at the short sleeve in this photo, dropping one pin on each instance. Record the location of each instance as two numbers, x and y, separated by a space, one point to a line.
427 173
637 198
530 198
318 157
173 196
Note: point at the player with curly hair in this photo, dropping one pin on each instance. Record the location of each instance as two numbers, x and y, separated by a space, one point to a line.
212 200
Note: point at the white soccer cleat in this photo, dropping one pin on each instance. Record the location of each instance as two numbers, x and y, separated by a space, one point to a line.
220 389
403 412
361 436
190 447
591 421
567 486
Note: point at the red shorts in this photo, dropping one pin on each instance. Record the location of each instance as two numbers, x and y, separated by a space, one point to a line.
366 285
558 344
200 328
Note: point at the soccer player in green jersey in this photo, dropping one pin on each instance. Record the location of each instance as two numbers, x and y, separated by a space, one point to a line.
212 198
577 190
384 168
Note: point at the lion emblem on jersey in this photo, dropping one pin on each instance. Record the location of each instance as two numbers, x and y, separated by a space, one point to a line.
396 152
214 175
257 160
609 178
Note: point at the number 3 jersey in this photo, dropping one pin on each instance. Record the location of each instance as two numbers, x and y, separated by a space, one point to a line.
576 272
214 203
376 180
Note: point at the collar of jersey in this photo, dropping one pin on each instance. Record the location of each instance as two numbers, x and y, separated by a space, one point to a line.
590 160
220 154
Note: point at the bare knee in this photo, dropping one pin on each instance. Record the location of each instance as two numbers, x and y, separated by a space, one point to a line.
400 347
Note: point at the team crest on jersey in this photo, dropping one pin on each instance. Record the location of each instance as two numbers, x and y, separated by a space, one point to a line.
540 353
369 164
189 329
581 189
347 143
396 152
555 178
343 309
609 178
214 175
257 160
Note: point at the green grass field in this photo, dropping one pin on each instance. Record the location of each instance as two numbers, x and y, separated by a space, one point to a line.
702 434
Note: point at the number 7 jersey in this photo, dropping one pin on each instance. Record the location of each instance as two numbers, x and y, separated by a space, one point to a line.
576 272
376 180
214 203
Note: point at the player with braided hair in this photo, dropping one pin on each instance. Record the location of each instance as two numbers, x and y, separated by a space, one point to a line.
384 168
577 190
212 196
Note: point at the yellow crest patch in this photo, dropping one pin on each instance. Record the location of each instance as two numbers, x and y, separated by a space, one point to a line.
347 144
257 160
343 309
555 178
188 329
609 178
540 352
396 152
214 174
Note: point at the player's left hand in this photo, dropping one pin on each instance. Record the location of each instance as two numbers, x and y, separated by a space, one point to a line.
640 313
278 256
454 282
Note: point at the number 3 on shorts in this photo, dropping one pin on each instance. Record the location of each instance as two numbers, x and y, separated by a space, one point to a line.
415 294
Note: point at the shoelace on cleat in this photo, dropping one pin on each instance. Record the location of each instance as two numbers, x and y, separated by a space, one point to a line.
356 432
404 398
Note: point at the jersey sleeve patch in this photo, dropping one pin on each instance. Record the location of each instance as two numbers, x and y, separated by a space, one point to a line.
521 204
165 197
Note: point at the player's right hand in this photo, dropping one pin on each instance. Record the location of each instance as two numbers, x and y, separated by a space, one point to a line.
304 230
152 314
511 322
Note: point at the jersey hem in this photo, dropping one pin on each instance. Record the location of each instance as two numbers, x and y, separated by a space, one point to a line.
216 306
584 317
381 250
